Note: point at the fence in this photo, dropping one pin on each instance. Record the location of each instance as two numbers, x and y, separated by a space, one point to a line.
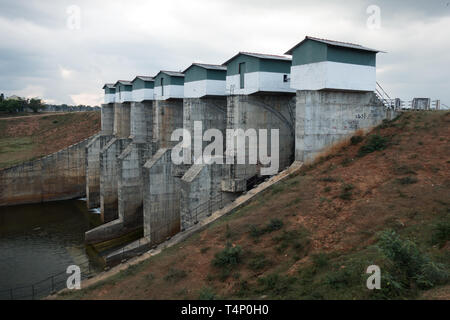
49 285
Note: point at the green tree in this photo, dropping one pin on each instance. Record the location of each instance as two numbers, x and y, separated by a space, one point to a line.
35 105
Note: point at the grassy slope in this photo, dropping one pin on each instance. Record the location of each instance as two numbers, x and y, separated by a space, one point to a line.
27 138
314 235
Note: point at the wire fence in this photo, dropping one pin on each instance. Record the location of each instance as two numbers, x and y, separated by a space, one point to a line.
47 286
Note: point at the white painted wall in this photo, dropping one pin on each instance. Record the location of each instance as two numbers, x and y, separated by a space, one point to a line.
201 88
258 81
333 75
126 96
110 98
142 94
170 91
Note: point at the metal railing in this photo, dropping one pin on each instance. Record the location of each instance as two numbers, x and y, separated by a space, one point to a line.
47 286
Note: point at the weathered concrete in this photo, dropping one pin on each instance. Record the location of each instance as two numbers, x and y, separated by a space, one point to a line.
109 178
122 119
130 182
107 117
259 111
141 119
210 111
161 197
93 169
93 156
324 118
201 193
141 246
168 116
58 176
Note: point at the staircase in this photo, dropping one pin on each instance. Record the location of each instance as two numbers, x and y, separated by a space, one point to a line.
384 98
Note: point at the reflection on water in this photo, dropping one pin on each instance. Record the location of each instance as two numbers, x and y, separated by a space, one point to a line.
39 240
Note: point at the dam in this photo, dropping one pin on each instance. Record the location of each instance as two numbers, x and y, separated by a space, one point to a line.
316 95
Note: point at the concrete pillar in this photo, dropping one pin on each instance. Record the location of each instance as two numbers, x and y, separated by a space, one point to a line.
168 116
201 193
324 118
109 178
141 120
211 112
161 198
107 118
260 111
122 119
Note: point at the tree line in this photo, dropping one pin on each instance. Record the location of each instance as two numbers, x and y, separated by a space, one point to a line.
19 104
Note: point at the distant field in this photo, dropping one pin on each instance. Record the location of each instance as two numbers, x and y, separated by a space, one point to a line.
28 137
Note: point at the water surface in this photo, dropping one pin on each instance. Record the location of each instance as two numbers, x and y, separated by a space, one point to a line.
40 240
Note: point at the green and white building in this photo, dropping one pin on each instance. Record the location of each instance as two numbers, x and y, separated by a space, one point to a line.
169 85
110 93
143 88
202 80
249 73
124 91
319 64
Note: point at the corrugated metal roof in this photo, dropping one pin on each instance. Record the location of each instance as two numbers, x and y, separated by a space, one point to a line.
108 85
145 78
208 66
260 56
124 82
172 73
334 43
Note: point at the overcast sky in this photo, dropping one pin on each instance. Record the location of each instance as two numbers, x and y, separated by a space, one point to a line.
47 51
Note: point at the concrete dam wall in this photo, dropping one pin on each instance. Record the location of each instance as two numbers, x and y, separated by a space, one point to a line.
58 176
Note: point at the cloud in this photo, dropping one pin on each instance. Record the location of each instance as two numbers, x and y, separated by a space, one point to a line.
121 39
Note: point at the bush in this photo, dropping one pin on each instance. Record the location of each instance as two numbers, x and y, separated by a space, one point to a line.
320 260
228 257
276 284
258 262
175 275
409 263
206 293
356 140
441 234
374 143
346 193
407 180
273 225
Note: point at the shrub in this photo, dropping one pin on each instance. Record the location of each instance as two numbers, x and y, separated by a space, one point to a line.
229 257
175 275
346 193
407 180
328 179
409 262
374 143
356 140
206 293
274 224
441 234
298 239
258 262
276 284
320 260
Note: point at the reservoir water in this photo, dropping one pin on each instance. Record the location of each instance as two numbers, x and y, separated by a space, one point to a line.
40 240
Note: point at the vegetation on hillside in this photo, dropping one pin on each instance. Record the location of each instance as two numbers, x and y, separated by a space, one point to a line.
19 105
382 200
27 138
